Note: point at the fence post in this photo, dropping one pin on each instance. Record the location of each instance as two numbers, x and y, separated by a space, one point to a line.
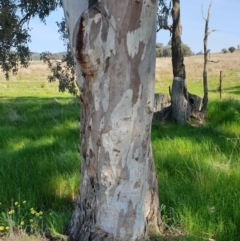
220 86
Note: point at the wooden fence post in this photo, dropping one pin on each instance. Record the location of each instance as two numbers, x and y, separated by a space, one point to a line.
220 86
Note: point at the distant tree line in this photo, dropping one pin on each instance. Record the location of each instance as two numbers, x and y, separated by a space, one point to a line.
166 51
230 49
56 56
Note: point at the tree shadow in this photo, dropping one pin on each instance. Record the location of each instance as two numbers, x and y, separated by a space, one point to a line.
230 90
39 156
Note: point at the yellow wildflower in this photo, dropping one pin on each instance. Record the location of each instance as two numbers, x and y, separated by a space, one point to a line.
7 228
1 228
11 212
40 213
31 220
24 202
16 203
22 223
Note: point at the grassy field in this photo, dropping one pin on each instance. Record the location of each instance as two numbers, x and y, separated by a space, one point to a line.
198 167
228 63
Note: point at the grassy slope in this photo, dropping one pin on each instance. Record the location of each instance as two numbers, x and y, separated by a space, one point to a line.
198 168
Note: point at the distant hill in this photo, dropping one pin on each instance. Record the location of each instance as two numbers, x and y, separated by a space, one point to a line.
36 56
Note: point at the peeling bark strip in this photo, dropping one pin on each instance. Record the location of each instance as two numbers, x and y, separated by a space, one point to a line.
114 45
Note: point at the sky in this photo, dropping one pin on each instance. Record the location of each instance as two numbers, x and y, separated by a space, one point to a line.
224 19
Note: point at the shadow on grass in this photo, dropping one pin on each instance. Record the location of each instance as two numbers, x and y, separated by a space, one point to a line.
39 155
198 173
231 90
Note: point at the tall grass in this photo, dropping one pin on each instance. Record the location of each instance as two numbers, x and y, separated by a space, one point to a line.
199 174
39 153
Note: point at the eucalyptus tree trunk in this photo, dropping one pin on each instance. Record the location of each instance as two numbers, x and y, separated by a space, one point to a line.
114 46
177 55
181 108
180 104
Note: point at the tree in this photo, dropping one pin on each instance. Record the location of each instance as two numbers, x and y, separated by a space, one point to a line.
14 31
162 15
177 54
159 50
205 80
179 101
113 44
231 49
186 50
224 51
167 51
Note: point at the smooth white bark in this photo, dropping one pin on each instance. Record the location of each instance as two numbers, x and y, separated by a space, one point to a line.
114 45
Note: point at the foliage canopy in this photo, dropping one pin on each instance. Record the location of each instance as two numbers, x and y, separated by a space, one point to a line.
14 30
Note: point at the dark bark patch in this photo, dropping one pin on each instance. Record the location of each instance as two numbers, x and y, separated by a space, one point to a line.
80 40
107 64
132 20
135 78
91 3
104 31
137 184
94 32
118 196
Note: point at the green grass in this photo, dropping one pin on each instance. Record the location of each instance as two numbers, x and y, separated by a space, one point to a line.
198 167
199 174
39 154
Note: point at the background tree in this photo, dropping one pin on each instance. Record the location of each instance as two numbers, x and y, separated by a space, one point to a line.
167 51
162 15
224 51
231 49
159 50
177 54
186 50
205 79
14 30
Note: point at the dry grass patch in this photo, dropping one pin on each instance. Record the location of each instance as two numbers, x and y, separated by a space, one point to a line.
194 66
228 63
